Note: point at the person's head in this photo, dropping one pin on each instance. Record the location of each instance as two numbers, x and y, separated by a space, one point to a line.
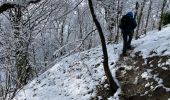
130 14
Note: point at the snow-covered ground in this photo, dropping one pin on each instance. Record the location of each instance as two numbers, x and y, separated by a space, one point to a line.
157 42
76 77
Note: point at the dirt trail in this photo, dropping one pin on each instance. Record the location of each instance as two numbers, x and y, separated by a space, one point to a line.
144 79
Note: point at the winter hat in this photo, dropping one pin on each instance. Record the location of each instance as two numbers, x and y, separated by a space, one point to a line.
130 14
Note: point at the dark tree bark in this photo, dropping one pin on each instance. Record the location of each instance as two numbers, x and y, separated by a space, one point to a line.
148 15
119 13
162 11
136 10
139 19
34 1
6 6
113 85
21 50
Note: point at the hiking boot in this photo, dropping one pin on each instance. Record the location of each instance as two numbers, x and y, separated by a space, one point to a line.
129 47
124 54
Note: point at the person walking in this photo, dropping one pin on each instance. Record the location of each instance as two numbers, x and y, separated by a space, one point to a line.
127 26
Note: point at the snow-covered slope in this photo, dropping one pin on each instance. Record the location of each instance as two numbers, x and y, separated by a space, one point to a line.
76 77
158 42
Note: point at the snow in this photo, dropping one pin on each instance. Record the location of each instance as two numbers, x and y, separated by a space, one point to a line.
154 41
76 77
136 80
147 85
164 68
147 75
116 95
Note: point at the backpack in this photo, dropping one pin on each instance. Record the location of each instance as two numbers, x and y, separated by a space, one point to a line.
127 22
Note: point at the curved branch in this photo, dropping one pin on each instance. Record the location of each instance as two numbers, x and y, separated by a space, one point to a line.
34 1
6 6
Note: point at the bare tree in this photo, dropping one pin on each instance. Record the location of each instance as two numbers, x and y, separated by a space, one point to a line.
113 85
118 16
162 12
20 49
139 18
110 17
136 10
148 15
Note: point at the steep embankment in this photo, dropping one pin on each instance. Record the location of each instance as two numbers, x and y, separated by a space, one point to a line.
144 75
73 78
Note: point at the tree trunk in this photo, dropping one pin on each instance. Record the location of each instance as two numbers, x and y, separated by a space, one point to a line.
110 18
148 15
113 85
136 10
162 11
119 13
21 48
139 19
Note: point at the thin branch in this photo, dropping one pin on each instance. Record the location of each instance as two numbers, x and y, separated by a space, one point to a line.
57 60
81 42
71 10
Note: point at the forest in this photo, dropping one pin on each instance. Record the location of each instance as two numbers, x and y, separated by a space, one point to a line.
62 39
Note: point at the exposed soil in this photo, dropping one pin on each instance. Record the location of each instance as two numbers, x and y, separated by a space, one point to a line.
135 87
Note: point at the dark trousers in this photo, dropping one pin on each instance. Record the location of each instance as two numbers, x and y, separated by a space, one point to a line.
127 38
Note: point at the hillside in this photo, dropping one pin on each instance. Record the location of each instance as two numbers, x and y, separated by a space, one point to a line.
144 75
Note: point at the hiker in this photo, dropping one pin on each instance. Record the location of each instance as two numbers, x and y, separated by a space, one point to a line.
127 26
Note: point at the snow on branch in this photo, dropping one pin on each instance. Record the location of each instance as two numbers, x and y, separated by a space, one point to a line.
9 5
80 44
